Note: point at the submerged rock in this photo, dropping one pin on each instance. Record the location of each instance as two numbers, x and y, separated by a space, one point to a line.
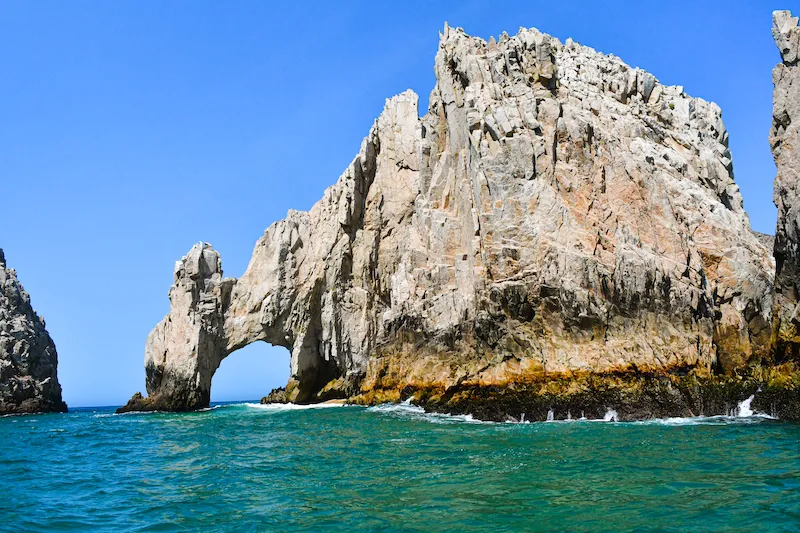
555 212
785 141
28 358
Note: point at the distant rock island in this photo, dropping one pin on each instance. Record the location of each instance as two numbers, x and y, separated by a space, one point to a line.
558 233
28 358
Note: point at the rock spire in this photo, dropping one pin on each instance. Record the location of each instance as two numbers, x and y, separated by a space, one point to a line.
28 358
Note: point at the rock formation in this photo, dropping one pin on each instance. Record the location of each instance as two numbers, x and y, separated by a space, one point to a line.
28 359
555 213
785 142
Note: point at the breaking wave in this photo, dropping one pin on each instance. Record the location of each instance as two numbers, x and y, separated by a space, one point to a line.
742 415
409 411
277 407
719 420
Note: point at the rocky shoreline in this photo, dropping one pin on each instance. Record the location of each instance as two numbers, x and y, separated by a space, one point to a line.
773 391
628 396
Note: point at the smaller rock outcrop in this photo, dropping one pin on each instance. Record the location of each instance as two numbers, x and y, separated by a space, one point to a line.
277 395
28 358
785 141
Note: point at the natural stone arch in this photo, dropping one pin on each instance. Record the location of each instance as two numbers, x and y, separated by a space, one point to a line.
554 212
312 285
207 322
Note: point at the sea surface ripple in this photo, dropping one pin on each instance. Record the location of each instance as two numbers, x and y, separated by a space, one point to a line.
246 467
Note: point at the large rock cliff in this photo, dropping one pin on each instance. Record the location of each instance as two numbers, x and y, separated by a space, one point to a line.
28 359
555 213
785 141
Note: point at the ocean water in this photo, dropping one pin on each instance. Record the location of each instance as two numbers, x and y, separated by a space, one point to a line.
246 467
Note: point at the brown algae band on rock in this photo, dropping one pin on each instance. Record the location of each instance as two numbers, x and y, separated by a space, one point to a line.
555 213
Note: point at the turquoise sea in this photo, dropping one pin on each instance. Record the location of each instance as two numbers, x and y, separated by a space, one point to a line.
246 467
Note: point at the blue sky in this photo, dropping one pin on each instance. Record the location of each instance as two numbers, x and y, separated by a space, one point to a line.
131 130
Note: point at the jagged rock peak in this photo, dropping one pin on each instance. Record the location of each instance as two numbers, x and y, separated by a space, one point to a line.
554 212
28 358
785 139
787 35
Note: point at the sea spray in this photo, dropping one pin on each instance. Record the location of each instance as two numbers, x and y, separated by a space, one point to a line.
611 416
743 409
410 411
280 407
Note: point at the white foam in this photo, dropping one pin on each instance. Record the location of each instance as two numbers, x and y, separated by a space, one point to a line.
292 406
410 411
611 416
128 413
414 412
717 420
743 409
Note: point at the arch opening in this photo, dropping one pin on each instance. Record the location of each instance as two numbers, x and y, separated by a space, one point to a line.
250 373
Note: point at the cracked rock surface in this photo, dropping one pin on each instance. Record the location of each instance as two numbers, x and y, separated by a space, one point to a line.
785 141
28 358
555 211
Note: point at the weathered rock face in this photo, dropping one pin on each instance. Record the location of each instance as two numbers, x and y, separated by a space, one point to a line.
555 212
28 359
785 141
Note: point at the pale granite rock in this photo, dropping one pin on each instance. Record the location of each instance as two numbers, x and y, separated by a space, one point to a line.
28 358
785 141
555 212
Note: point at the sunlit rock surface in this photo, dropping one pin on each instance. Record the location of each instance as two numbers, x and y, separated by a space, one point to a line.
28 358
554 213
785 142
